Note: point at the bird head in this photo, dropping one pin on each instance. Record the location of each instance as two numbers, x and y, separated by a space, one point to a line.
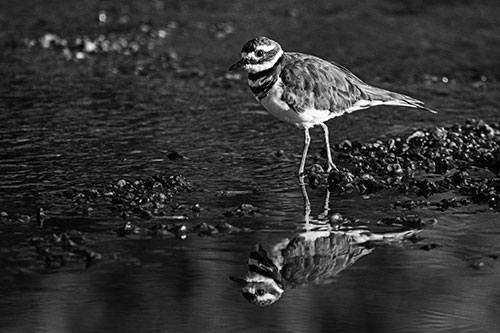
262 284
259 289
258 54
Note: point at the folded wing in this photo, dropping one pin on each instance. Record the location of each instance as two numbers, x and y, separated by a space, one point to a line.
311 82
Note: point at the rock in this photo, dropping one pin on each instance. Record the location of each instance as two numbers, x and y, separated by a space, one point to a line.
181 231
225 227
175 156
196 208
368 184
315 175
121 183
336 219
242 210
205 229
425 187
161 231
59 250
280 153
23 219
127 229
4 217
345 145
341 181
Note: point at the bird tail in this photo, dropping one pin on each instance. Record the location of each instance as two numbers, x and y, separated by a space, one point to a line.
376 96
395 99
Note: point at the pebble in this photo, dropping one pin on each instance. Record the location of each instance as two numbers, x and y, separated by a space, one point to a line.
242 210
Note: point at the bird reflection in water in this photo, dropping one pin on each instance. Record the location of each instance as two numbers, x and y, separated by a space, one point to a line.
317 254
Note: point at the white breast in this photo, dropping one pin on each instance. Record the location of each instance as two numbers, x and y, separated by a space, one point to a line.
279 109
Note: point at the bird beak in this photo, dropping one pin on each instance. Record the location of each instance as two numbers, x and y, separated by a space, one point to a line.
239 281
242 62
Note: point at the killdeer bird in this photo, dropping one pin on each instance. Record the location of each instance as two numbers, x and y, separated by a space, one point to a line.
306 90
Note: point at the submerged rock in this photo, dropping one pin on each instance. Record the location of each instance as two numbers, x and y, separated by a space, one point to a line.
226 228
127 229
145 198
316 175
174 155
242 210
205 229
341 181
182 231
59 250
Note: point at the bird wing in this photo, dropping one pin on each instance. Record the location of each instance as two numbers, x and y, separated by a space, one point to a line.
310 82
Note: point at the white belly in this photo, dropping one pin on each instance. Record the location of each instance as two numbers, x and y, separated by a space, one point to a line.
279 109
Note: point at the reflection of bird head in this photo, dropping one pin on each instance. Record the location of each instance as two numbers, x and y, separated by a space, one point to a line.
263 284
259 289
311 257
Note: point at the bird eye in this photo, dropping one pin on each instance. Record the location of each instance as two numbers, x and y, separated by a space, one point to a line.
259 292
259 53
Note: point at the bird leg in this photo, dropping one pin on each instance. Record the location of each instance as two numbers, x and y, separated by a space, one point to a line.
307 140
331 165
326 207
307 204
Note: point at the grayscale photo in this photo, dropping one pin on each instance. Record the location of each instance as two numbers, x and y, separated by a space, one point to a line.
250 166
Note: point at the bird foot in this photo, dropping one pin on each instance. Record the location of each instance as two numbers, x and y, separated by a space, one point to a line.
331 167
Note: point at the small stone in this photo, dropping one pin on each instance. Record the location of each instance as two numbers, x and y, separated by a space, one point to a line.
23 219
89 46
175 156
415 135
196 208
205 229
88 211
345 145
181 232
161 231
79 55
48 40
102 17
394 168
336 218
127 229
226 227
243 210
280 153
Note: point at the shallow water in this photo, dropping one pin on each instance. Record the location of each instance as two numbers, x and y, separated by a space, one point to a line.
79 123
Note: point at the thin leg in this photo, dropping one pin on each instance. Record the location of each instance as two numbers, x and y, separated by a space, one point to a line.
307 140
326 207
331 165
307 204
